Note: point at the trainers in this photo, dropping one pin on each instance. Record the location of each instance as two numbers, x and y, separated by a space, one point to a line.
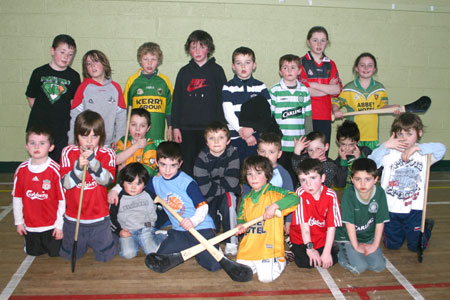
231 249
288 242
429 223
290 257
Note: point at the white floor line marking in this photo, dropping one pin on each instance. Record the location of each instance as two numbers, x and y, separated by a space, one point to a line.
439 180
331 284
6 211
403 281
5 183
16 278
435 203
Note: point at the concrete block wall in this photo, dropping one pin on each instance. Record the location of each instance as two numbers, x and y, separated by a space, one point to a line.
411 40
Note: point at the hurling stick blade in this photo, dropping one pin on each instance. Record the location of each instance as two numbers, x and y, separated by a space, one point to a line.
163 262
237 272
421 105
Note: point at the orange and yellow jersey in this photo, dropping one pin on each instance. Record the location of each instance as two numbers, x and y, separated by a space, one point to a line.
356 98
265 239
145 156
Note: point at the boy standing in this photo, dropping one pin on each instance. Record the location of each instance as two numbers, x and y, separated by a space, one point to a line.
216 171
238 91
38 197
404 176
347 137
364 212
291 106
152 91
51 90
181 192
316 218
197 98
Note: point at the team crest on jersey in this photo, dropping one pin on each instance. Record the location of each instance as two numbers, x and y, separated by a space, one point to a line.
152 161
356 97
373 207
46 184
160 91
54 87
140 91
376 96
138 158
310 72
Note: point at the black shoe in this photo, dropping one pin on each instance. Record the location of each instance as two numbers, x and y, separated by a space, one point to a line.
429 223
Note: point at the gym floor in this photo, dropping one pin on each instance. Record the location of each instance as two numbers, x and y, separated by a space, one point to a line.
27 277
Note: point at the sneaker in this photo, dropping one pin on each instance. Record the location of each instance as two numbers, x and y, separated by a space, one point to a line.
231 249
288 242
160 231
290 257
429 224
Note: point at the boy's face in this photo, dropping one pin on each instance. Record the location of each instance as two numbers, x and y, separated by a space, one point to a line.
199 52
289 71
256 179
316 149
88 142
138 127
168 167
62 56
364 183
271 151
95 69
134 187
149 63
243 66
217 142
312 183
38 146
409 136
347 146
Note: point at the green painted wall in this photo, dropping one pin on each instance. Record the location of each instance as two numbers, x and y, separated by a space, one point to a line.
410 41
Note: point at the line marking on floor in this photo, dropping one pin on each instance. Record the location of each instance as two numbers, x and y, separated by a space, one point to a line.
331 284
17 277
434 203
403 281
6 211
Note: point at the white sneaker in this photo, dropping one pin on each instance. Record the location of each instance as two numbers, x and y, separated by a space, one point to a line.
231 249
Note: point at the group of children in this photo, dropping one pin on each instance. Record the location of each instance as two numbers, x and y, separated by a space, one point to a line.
213 153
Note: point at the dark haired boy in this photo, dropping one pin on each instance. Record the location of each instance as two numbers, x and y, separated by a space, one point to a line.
347 137
197 97
182 194
38 196
364 213
50 92
316 218
216 172
238 91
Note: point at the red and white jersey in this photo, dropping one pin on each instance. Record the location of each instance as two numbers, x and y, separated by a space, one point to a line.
38 196
95 197
318 214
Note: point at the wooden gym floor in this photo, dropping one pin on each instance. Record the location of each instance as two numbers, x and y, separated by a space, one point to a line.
26 277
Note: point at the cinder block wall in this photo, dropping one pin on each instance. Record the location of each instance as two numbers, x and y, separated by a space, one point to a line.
410 41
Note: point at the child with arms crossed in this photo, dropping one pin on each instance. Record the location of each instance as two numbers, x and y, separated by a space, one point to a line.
38 197
88 151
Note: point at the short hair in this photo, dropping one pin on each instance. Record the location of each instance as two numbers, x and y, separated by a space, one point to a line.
365 54
87 121
152 48
317 135
64 39
270 138
129 173
348 130
244 51
256 162
203 38
40 129
169 150
364 164
141 112
289 58
97 56
309 165
216 126
407 121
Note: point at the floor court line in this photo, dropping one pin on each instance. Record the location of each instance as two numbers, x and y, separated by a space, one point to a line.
6 211
16 278
331 284
403 281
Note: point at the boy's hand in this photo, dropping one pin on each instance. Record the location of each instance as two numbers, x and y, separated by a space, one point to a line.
177 135
327 260
186 223
395 143
170 134
287 228
369 249
83 159
314 257
338 114
321 155
124 233
360 248
113 197
357 152
343 153
21 230
57 234
270 211
300 144
409 152
241 229
114 146
245 132
141 143
251 141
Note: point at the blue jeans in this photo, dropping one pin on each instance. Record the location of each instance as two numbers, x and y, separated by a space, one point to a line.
144 238
357 262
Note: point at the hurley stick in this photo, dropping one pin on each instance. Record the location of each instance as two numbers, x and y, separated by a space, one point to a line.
424 212
125 142
77 226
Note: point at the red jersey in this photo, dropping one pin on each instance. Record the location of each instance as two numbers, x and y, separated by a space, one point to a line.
321 73
40 190
318 214
95 197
